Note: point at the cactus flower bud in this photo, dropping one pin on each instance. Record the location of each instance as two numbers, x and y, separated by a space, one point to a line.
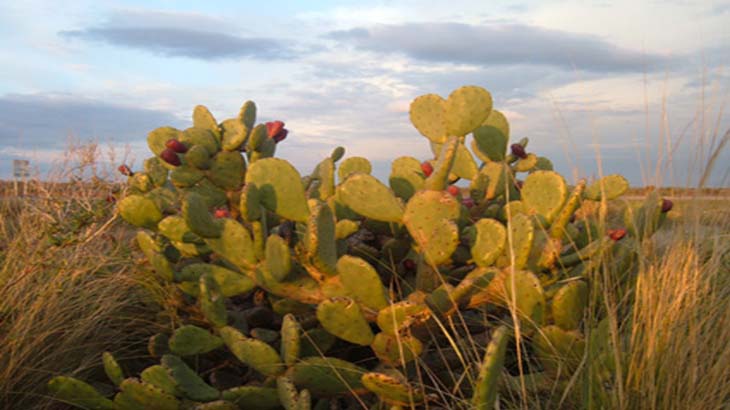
176 146
453 190
276 130
170 156
427 168
616 234
667 205
221 213
409 264
125 170
518 151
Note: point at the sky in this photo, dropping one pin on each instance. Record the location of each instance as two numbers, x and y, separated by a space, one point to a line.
600 87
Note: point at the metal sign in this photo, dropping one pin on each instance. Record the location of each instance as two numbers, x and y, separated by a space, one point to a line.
21 168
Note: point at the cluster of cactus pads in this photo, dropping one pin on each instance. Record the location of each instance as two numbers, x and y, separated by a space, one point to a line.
336 289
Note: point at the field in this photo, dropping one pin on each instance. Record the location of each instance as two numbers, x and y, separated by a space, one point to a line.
73 285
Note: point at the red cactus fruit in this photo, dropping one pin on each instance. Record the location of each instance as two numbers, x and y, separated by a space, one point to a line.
125 170
468 202
111 199
453 190
221 213
170 156
427 168
409 264
276 130
667 205
176 146
518 151
616 234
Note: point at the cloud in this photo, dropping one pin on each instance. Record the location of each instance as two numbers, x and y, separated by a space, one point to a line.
501 44
170 34
46 121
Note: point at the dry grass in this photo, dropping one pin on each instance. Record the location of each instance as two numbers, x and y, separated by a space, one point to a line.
70 289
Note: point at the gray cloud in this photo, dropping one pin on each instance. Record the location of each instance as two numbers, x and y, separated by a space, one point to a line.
46 121
501 44
179 42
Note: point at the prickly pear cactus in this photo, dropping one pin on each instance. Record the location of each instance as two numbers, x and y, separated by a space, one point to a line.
303 291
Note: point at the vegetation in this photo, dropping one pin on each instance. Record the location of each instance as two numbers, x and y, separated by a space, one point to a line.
333 290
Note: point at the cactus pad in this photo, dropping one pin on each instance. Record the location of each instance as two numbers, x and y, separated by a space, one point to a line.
544 193
613 186
559 351
362 282
187 381
278 257
139 211
392 390
290 339
157 138
280 188
487 384
343 318
234 244
144 395
398 317
569 304
78 393
370 198
430 217
112 369
406 177
190 340
439 179
428 116
466 109
253 397
489 244
327 376
321 239
352 165
159 377
212 301
227 170
254 353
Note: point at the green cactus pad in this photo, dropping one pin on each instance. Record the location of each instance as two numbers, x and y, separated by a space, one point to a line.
290 339
324 177
112 369
397 317
278 257
489 244
613 186
231 283
496 173
78 393
406 177
254 353
529 297
212 301
327 376
288 395
300 287
439 179
234 134
396 350
157 345
140 183
345 228
362 282
187 381
266 149
202 118
559 351
392 390
156 172
146 396
544 193
427 114
352 165
250 203
321 239
197 217
343 318
545 251
258 137
157 138
557 229
280 188
316 342
139 211
475 281
217 405
186 176
247 114
253 397
569 304
227 170
234 244
430 217
370 198
337 154
466 109
487 385
490 142
200 136
523 234
159 263
189 340
525 164
464 165
159 377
